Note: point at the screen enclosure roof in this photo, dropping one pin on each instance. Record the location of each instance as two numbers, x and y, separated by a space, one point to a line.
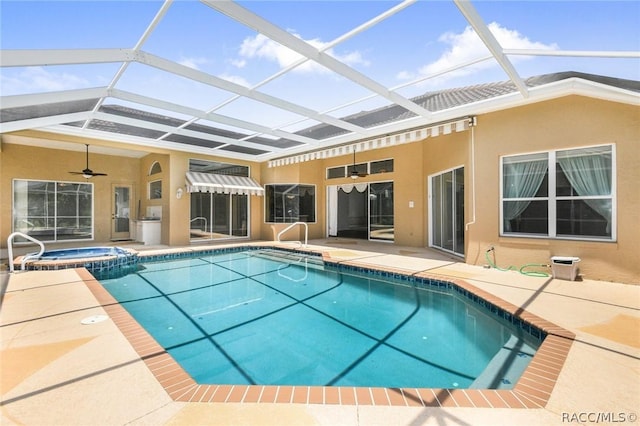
262 81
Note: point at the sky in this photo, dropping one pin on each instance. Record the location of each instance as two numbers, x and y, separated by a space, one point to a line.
408 52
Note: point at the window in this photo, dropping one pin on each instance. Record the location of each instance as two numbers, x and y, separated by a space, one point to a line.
290 203
382 166
359 168
155 168
53 211
575 200
155 190
336 172
373 167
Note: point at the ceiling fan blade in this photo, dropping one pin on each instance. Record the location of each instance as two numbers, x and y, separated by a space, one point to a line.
87 172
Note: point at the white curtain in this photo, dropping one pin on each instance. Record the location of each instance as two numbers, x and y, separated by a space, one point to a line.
332 210
590 175
522 179
348 187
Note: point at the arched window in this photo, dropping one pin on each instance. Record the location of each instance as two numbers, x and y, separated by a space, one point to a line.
155 168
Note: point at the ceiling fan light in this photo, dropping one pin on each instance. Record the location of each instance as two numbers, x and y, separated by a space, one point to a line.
354 175
87 176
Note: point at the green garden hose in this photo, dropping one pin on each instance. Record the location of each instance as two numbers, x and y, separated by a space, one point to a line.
521 269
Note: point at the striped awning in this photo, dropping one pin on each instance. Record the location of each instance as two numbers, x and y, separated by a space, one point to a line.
413 135
222 184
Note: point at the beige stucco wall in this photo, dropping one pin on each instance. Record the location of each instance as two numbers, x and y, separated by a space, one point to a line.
29 162
179 209
21 158
145 201
413 162
568 122
563 123
310 173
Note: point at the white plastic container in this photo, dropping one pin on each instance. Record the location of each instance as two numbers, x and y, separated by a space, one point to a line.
565 267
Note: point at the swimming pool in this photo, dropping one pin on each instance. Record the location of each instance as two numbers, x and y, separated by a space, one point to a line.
256 317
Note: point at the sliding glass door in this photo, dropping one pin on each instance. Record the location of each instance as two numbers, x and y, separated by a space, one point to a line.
362 210
217 216
381 216
53 211
446 210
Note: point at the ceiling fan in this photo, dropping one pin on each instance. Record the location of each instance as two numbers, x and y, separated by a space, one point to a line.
354 169
87 173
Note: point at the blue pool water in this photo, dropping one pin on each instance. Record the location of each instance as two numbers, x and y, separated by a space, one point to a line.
256 317
82 253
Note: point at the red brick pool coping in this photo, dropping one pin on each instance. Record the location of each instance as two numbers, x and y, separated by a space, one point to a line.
532 390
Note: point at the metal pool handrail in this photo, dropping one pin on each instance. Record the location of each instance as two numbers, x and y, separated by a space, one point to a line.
26 257
306 232
306 271
200 218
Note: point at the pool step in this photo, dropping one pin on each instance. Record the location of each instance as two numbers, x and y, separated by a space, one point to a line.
506 366
315 262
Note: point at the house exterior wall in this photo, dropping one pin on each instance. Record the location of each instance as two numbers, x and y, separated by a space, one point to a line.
144 200
180 209
568 122
308 173
441 154
21 158
36 163
413 162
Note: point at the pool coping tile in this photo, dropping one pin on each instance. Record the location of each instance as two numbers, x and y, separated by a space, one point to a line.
532 390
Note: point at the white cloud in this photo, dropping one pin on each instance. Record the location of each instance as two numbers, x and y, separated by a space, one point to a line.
238 63
405 75
193 62
39 79
467 46
262 47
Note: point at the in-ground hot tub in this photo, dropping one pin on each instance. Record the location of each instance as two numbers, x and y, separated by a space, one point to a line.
82 253
102 262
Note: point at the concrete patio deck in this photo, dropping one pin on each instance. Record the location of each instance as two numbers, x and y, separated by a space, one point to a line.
58 371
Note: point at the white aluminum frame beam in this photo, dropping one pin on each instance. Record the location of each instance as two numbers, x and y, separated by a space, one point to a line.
40 122
16 58
185 132
472 16
17 101
575 53
218 118
355 31
275 33
123 67
48 57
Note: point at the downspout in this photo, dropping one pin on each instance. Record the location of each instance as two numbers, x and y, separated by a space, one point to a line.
472 124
